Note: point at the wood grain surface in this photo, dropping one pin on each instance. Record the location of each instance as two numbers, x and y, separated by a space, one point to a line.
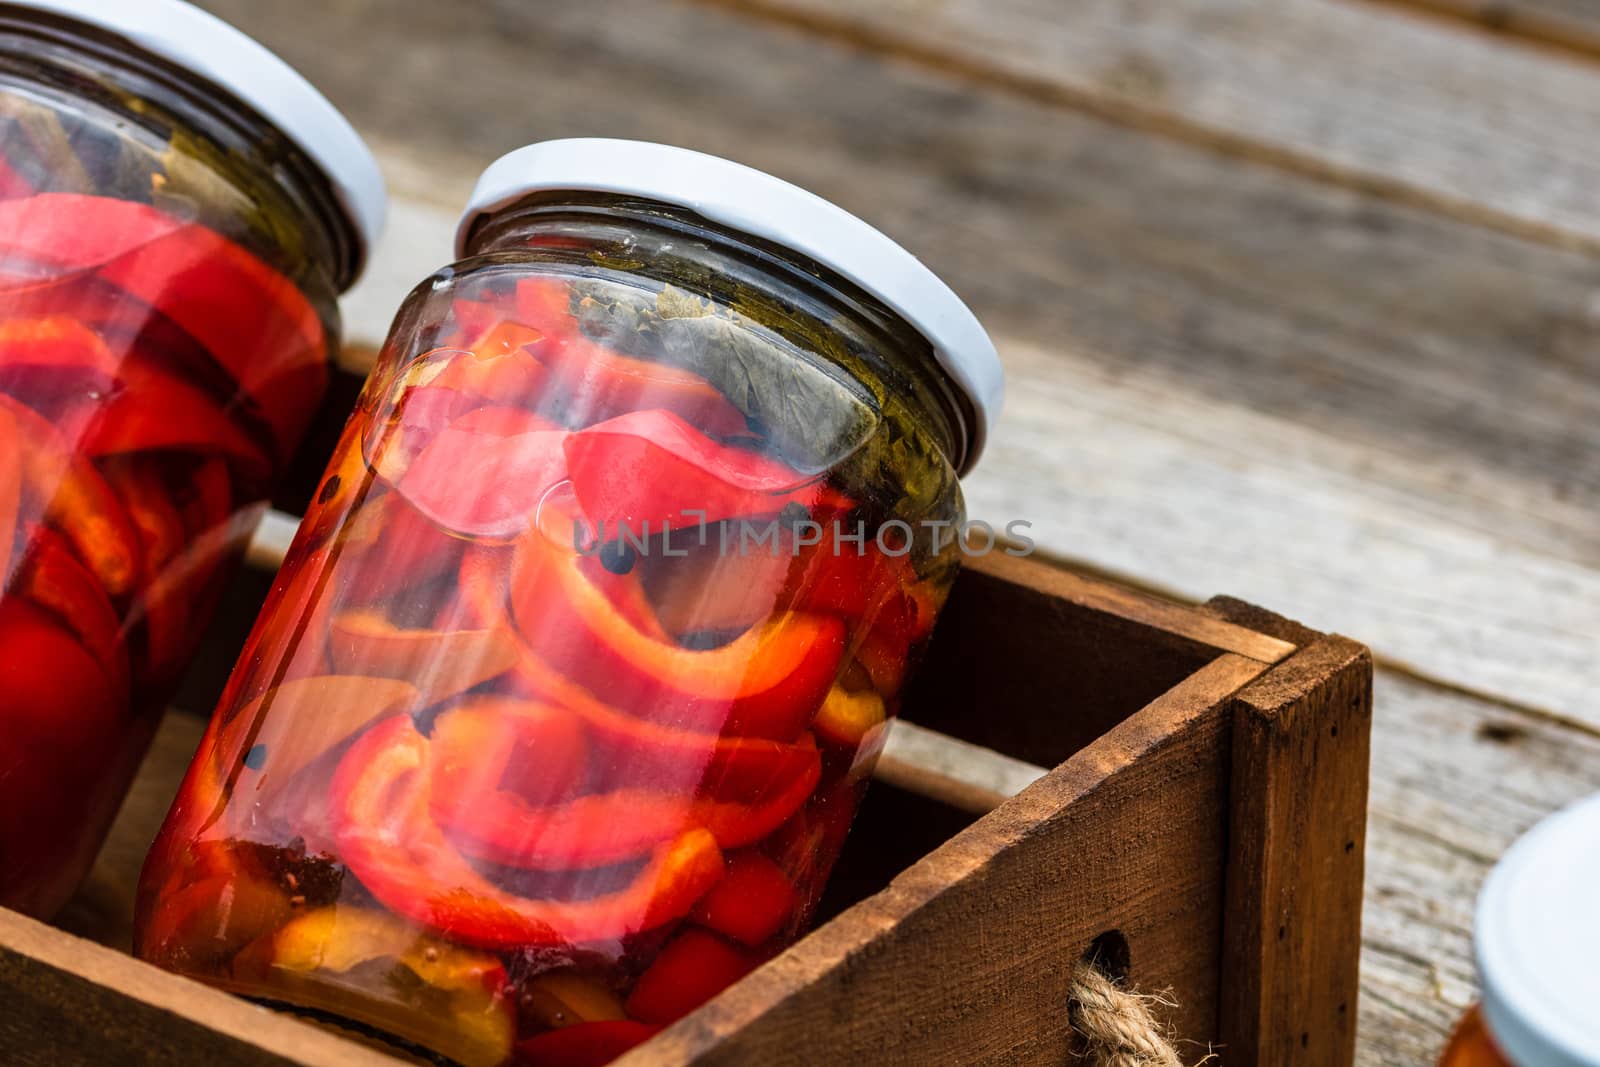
1306 360
1335 89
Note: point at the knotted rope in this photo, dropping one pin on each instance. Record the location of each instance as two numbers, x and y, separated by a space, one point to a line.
1115 1025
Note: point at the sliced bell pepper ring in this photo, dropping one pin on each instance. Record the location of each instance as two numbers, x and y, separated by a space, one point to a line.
538 827
752 902
153 409
371 966
75 232
253 321
592 384
381 796
441 663
77 501
498 366
766 683
485 578
590 1044
267 742
694 967
510 475
161 605
54 695
53 578
653 467
60 342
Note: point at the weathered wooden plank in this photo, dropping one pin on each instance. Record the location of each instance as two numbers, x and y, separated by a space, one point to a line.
1454 782
1465 575
1357 93
1571 24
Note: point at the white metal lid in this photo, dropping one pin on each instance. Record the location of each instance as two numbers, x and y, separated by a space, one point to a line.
200 42
1538 943
769 208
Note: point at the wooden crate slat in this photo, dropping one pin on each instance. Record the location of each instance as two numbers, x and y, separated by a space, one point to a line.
69 1001
1009 925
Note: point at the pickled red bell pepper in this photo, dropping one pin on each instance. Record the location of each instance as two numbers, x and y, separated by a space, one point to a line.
766 683
254 321
380 800
510 473
751 903
77 501
10 489
590 1044
694 967
54 696
653 467
50 575
536 824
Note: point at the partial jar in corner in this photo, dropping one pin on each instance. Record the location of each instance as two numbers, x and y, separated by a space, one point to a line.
1537 939
561 708
178 212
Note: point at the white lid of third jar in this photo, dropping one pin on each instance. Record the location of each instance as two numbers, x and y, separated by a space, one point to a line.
200 42
1538 943
756 203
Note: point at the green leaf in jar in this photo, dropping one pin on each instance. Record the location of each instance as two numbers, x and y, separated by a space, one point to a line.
807 412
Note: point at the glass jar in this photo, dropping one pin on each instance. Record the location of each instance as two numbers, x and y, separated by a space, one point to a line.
178 212
1537 937
557 715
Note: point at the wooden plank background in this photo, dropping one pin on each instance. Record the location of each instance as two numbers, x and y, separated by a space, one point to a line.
1299 300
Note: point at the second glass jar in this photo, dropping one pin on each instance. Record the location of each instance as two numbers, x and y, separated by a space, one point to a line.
564 699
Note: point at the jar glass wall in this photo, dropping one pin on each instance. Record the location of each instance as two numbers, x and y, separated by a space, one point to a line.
562 704
168 271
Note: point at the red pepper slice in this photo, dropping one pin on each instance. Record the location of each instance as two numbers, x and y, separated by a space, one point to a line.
546 301
380 799
752 902
77 501
766 683
52 577
694 967
60 342
441 662
473 319
583 1044
164 604
509 475
156 410
252 320
74 232
653 467
420 413
504 769
498 366
54 695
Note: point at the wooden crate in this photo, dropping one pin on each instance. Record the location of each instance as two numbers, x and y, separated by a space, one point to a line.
1205 820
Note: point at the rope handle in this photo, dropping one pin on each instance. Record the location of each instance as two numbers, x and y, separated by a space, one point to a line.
1115 1025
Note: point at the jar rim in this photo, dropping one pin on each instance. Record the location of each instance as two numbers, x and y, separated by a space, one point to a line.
753 202
236 63
1537 937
